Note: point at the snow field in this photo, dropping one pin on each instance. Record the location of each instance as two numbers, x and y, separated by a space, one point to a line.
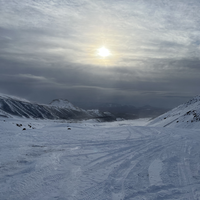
97 161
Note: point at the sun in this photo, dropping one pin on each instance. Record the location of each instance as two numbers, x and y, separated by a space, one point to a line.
103 52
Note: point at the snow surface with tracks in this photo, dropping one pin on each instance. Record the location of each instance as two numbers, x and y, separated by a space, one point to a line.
122 160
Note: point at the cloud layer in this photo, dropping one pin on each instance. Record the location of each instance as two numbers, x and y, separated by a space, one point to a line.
48 50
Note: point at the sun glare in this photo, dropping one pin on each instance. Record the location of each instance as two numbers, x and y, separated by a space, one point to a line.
103 52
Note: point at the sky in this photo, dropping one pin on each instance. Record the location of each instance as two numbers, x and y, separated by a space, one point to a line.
49 50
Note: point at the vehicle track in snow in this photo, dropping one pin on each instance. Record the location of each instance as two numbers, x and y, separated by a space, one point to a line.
97 162
128 176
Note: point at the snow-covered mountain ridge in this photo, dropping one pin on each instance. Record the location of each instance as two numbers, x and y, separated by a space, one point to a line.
5 96
57 109
186 115
64 103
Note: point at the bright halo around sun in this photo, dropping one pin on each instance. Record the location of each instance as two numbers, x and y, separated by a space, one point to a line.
103 52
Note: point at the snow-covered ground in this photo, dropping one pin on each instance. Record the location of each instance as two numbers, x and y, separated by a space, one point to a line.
97 161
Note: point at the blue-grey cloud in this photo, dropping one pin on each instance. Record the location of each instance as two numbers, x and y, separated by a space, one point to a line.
49 47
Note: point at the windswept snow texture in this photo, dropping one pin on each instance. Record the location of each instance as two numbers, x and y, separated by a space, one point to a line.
58 109
184 116
97 161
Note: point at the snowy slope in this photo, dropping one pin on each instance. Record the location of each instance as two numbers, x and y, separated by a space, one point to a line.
97 161
58 109
4 114
5 96
186 115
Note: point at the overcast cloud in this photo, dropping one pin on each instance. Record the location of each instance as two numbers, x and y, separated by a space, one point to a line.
48 50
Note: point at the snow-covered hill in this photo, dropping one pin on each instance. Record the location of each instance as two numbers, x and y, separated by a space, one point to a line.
186 115
58 109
